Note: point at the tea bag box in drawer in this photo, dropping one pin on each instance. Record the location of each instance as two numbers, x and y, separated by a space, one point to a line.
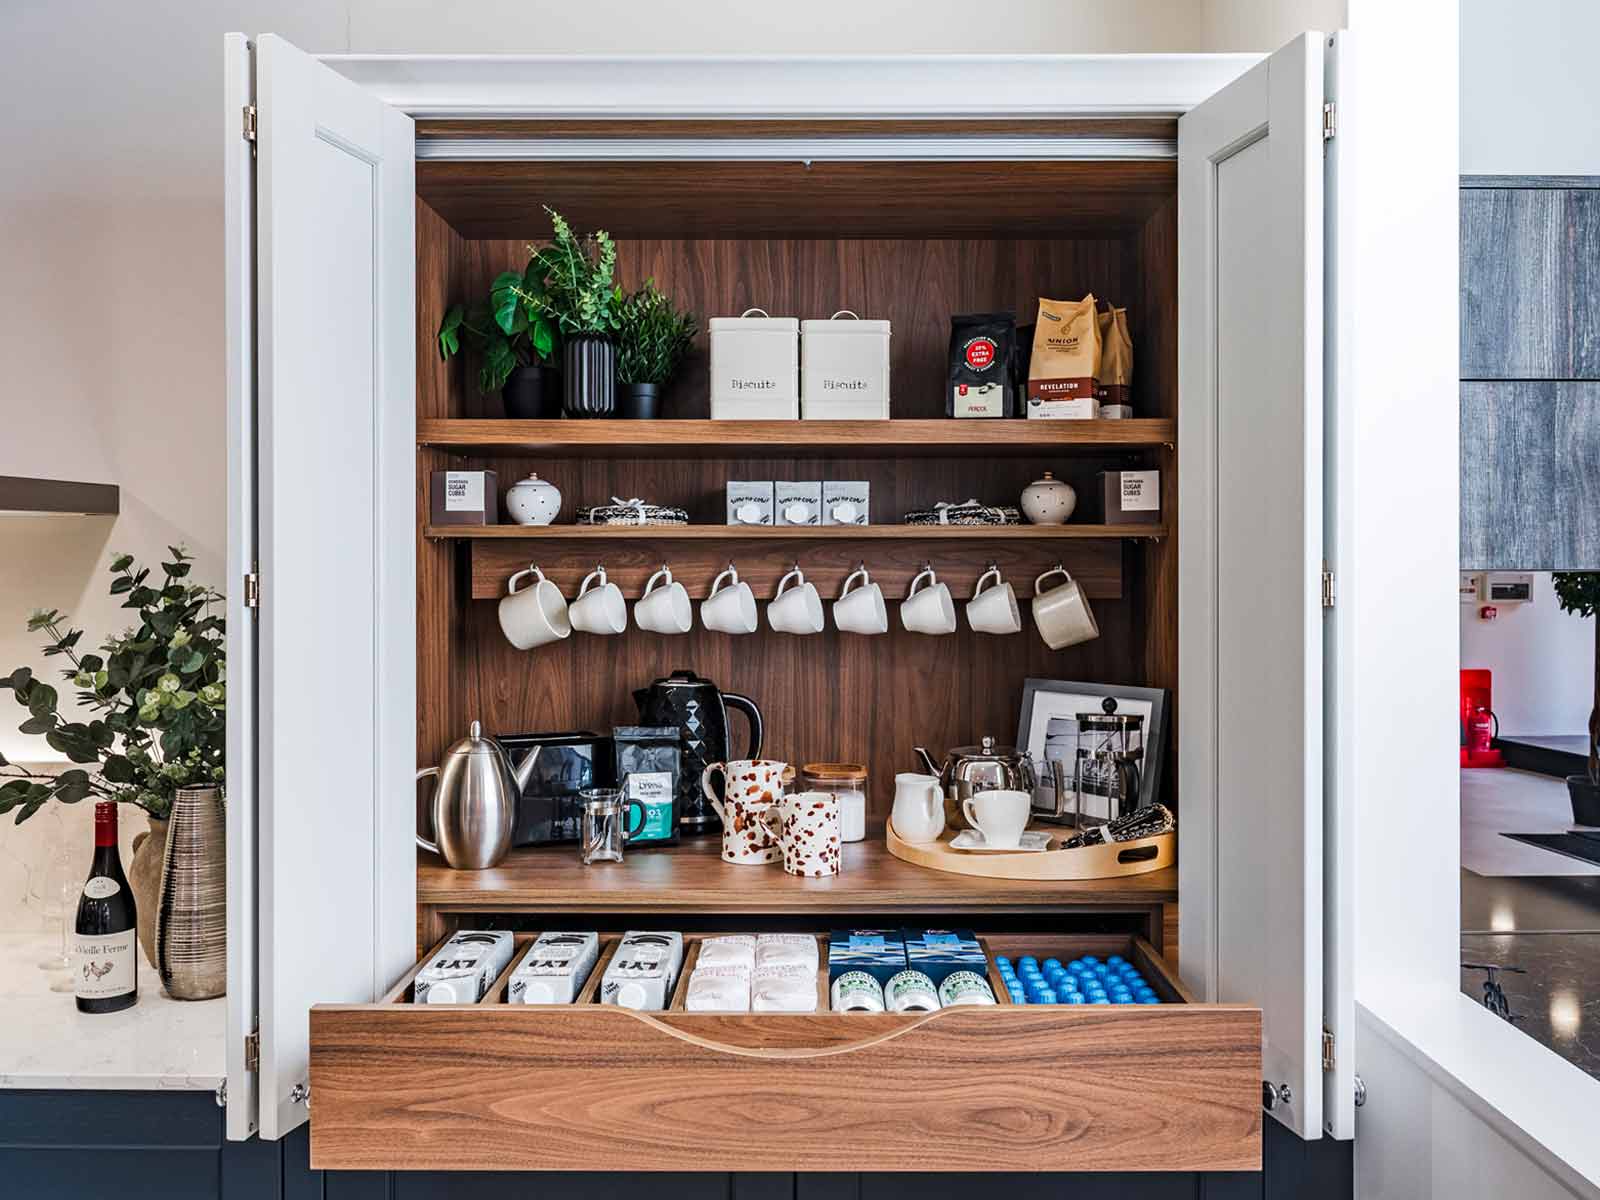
940 953
881 953
755 368
844 369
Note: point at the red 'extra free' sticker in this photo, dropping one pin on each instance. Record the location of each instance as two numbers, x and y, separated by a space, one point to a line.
980 353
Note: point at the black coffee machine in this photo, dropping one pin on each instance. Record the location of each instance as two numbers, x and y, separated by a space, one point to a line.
699 710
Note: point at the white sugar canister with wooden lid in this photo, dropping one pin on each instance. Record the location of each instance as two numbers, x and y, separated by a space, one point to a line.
755 367
844 369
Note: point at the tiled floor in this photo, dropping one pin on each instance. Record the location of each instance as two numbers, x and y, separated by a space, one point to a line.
1525 907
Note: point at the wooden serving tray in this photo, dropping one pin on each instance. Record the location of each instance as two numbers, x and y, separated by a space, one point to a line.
1088 862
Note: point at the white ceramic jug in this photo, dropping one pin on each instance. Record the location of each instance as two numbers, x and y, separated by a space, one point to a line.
918 814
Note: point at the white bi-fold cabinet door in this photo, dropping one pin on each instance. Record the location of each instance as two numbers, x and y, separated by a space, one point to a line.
321 314
1256 926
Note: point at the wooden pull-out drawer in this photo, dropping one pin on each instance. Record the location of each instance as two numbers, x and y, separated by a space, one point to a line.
494 1086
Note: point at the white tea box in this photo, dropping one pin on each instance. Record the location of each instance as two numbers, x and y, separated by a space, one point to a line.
845 502
554 969
844 369
755 368
641 973
749 502
464 968
797 503
1081 408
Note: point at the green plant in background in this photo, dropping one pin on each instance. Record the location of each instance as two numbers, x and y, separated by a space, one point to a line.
1578 592
512 330
653 338
579 292
160 689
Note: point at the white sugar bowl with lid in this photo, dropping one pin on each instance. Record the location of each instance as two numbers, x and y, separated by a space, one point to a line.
533 501
1048 501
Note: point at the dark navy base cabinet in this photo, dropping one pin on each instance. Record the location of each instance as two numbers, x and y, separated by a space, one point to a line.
170 1146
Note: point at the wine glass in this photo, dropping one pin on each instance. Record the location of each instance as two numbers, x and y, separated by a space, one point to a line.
59 893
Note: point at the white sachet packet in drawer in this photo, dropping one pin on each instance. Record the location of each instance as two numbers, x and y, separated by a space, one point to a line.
723 988
786 949
784 987
738 950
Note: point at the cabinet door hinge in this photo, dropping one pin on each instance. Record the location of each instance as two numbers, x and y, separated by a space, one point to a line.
1327 1051
1327 586
250 126
1329 119
252 1050
252 590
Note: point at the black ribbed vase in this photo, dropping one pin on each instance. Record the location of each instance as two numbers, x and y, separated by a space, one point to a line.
589 362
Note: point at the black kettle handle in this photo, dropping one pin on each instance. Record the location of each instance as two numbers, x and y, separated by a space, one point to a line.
757 730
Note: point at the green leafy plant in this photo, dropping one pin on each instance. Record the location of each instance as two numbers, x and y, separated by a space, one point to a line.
578 274
654 336
511 330
160 690
1578 592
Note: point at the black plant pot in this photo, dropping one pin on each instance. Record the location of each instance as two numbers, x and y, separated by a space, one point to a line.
1585 800
640 401
532 394
590 362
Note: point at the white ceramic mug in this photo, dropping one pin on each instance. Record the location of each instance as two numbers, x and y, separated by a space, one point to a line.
1062 613
664 608
999 815
927 607
730 609
806 827
860 610
796 609
599 608
533 616
993 609
750 787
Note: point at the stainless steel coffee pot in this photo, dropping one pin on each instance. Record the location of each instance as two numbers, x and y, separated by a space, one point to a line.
981 768
475 802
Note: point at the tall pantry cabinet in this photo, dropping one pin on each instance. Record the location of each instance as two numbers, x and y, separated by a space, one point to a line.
364 193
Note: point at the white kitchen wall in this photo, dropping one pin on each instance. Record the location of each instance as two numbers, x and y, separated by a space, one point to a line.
1528 87
1542 659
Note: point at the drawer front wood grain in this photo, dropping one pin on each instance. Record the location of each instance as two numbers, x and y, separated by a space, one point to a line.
1174 1087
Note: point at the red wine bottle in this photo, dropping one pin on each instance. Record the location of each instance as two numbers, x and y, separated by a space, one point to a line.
107 958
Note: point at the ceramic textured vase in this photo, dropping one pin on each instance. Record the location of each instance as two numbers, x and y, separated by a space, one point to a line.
192 912
1048 501
590 373
144 881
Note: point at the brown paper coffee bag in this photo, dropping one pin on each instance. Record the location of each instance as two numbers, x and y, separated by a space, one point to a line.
1114 382
1066 351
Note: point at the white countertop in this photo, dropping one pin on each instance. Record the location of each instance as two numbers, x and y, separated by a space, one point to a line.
45 1042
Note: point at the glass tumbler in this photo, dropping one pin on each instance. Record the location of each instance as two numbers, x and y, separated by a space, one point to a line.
604 829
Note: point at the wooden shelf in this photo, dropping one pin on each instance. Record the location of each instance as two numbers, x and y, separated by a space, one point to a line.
612 439
959 534
692 878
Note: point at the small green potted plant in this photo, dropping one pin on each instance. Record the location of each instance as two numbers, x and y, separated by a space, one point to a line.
516 342
577 290
650 347
1578 592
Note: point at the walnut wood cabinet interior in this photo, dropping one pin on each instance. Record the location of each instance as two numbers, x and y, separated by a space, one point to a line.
489 1086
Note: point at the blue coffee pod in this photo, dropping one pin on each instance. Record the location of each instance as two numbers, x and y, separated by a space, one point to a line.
1114 959
1051 962
1001 961
1148 1000
1075 998
1047 997
1028 960
1090 959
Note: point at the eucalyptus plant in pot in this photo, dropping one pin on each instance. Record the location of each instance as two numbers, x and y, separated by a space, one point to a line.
155 697
1578 592
516 343
650 347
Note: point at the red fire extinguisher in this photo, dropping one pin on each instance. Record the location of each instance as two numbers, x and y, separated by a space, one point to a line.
1482 728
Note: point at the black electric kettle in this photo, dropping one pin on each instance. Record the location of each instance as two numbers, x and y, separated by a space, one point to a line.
699 711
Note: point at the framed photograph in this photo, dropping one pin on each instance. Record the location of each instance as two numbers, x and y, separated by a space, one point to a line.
1044 699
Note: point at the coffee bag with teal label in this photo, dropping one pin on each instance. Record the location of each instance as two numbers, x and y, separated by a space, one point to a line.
648 759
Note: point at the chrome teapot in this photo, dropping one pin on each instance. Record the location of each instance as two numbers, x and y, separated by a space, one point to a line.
475 802
981 768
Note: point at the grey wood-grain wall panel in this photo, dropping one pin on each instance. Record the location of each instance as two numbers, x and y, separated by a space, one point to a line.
1530 267
1530 475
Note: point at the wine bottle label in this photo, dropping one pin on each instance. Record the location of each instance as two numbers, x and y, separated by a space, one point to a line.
100 887
105 962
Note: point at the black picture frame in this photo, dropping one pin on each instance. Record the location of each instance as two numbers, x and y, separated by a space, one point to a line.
1063 698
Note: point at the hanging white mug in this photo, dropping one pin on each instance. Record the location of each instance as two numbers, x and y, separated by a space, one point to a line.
600 608
1062 613
860 609
927 607
796 609
533 616
664 607
993 609
730 609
